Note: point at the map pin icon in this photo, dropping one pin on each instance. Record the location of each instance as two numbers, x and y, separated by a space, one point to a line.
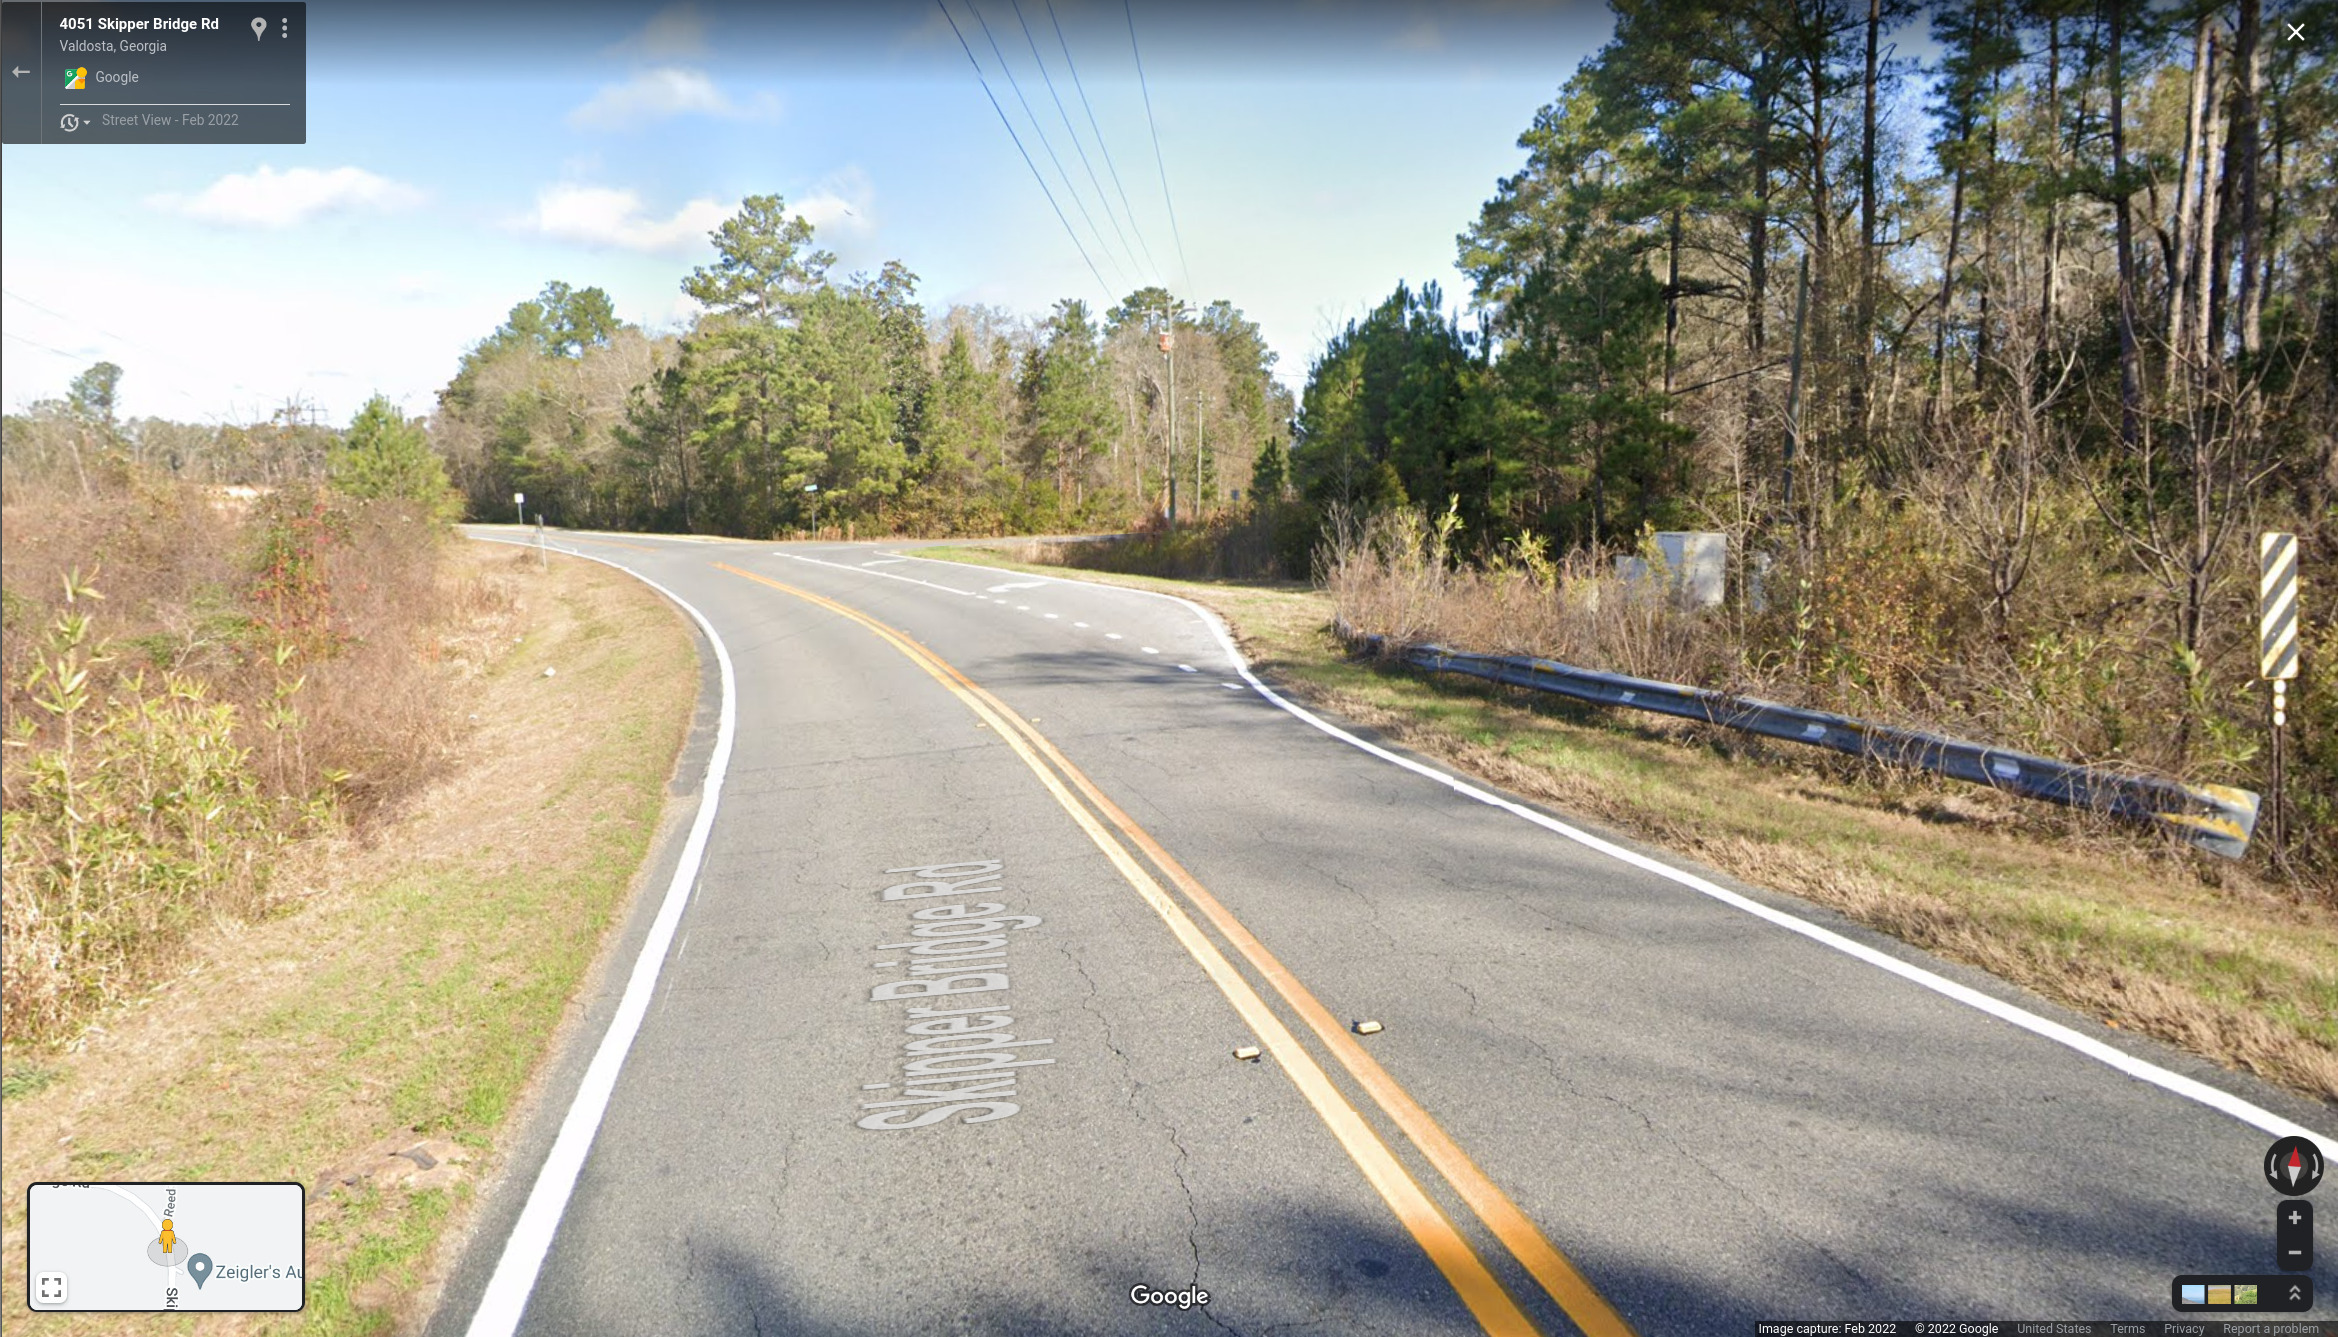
259 29
199 1267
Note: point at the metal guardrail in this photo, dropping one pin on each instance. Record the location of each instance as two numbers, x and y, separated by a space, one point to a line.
2216 818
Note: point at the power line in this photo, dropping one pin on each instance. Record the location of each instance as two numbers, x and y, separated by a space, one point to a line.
1036 128
46 348
1155 127
1101 285
76 357
123 340
1101 197
1090 109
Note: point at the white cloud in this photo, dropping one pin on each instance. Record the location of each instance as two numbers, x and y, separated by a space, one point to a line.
272 199
840 207
844 202
605 216
680 311
1422 36
676 30
668 90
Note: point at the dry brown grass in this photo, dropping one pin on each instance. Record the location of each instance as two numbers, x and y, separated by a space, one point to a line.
1883 628
417 979
188 687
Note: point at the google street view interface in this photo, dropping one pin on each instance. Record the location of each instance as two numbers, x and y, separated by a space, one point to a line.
390 948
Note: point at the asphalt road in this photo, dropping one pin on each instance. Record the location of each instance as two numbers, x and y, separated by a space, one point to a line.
1054 829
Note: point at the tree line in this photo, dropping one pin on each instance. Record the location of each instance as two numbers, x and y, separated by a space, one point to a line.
1992 366
801 399
1731 288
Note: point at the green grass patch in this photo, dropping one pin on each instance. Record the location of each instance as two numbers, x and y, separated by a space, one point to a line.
24 1079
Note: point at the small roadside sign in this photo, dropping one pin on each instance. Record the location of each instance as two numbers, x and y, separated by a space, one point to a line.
2277 660
2277 606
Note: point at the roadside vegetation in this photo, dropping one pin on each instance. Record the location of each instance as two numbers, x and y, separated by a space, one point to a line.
306 854
375 1035
2146 935
195 680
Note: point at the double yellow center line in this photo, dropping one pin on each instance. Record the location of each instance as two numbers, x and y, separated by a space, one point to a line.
1493 1306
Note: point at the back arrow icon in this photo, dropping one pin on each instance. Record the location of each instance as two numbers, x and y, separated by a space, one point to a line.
20 73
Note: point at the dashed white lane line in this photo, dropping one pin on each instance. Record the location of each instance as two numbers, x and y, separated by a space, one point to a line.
1021 585
1231 686
1187 668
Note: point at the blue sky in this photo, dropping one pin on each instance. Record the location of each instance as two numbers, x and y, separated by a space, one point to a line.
458 157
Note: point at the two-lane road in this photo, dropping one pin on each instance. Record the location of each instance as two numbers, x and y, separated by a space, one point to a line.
936 1032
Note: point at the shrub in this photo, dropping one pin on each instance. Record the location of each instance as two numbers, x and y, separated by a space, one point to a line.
142 815
232 682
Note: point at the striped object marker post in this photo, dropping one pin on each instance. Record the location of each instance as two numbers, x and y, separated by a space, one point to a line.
2277 652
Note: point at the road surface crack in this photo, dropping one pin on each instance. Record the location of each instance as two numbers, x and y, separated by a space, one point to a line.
1131 1089
1471 994
1371 907
1686 1152
1192 1222
1129 1085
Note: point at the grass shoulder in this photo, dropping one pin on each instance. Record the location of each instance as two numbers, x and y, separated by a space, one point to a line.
2138 935
374 1041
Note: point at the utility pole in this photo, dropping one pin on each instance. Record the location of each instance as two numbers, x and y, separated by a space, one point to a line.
1169 455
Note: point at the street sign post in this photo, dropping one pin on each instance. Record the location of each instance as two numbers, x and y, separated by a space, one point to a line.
2277 653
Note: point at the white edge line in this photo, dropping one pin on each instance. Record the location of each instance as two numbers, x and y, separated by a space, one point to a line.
2140 1069
506 1297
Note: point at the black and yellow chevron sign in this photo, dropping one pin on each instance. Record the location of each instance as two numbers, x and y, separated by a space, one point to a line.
2277 606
